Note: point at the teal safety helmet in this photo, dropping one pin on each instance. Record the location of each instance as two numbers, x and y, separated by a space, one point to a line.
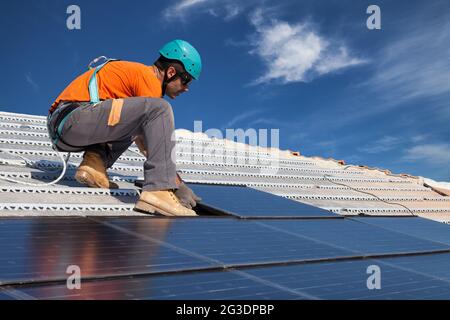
184 52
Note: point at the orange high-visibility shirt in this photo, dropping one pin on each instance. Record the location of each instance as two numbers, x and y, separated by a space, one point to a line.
117 79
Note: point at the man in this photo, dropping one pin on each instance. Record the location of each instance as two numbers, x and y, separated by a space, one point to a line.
108 107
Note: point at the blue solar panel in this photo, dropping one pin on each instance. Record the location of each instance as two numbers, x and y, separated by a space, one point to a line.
413 226
436 265
7 296
354 236
43 248
246 202
206 285
348 279
238 242
414 277
233 241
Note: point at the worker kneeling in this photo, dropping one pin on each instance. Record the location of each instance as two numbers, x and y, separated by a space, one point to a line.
117 102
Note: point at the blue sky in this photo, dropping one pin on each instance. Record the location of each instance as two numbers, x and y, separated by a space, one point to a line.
311 69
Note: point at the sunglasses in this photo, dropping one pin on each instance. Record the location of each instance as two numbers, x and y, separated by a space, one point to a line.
185 77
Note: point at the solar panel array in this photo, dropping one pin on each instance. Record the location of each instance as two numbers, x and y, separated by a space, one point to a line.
257 256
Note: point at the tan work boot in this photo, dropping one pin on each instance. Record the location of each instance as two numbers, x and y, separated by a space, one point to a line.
164 202
92 171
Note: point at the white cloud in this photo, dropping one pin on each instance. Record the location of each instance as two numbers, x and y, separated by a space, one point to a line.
338 60
270 122
416 64
226 9
181 8
384 144
241 117
232 10
437 154
420 138
296 52
411 69
29 79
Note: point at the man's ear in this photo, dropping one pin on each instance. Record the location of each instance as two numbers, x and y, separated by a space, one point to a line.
171 72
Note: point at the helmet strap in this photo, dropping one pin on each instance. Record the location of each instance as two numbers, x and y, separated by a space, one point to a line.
166 81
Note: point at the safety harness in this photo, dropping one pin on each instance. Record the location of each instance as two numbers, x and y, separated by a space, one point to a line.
65 111
62 113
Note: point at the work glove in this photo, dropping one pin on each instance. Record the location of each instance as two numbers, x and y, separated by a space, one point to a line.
186 196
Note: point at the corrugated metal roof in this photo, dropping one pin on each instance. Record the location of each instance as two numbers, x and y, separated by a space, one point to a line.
328 184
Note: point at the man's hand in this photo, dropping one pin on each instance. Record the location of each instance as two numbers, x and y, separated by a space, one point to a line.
187 197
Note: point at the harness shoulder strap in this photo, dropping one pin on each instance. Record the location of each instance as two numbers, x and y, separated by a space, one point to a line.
93 86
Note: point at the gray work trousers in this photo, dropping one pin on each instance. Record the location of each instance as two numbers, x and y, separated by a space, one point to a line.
87 128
